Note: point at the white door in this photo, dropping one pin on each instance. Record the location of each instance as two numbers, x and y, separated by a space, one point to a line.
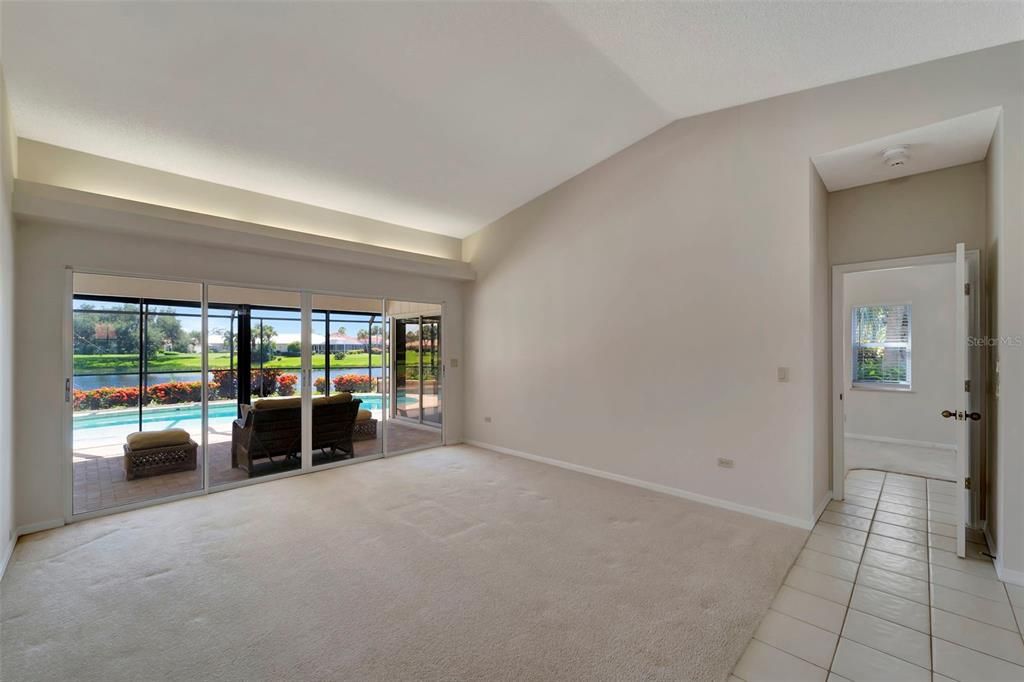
963 415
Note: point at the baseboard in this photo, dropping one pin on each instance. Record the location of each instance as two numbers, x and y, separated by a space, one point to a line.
30 528
901 441
8 552
656 487
1009 576
24 530
821 505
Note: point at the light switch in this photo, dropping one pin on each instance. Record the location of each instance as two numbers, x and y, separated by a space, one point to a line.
783 374
453 363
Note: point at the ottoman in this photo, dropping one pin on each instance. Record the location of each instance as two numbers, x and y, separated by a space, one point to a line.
366 426
149 453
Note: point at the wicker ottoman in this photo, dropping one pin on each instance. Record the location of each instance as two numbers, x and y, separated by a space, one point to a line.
159 452
365 430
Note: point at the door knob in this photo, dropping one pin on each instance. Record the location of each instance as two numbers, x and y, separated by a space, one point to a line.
974 416
949 415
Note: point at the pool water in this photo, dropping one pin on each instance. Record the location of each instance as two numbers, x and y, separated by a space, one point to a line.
187 417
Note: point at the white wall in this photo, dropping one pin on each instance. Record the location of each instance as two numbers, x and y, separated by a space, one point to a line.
6 331
670 281
912 415
43 251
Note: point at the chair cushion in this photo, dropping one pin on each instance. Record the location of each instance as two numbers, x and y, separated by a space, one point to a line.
276 403
364 415
145 440
342 397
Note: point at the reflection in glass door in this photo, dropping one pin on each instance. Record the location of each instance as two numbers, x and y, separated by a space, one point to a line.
415 345
136 390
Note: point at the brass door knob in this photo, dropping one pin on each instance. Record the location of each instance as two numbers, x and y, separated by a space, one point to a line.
974 416
949 415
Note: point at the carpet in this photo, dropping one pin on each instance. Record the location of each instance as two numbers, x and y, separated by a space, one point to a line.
452 563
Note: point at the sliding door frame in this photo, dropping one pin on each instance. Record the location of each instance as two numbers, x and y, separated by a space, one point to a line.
442 368
306 294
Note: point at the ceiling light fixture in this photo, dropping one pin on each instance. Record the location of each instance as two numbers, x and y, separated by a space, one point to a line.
896 156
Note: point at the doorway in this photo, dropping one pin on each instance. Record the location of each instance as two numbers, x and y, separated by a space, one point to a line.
415 343
908 382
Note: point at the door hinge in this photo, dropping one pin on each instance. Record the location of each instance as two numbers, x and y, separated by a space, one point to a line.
967 385
967 483
967 288
67 390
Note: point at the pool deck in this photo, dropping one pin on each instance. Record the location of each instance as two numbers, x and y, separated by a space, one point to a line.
99 481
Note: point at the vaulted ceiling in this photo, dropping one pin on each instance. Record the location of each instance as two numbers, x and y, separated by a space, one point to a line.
434 115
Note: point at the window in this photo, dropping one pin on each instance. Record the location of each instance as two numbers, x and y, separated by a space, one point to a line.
881 345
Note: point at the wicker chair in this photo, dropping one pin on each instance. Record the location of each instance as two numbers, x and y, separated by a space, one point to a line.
277 432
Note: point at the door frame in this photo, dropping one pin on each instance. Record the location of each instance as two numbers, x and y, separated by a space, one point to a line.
839 379
306 294
442 379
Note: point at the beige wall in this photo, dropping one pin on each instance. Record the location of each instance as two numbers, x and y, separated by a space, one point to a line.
821 320
670 281
43 251
6 331
47 164
913 216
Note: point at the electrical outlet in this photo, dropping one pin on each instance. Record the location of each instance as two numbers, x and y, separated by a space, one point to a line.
487 420
454 363
783 373
726 463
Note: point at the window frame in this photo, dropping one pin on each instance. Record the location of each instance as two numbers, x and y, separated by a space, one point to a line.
898 387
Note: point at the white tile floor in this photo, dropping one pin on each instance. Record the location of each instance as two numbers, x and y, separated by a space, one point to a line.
879 594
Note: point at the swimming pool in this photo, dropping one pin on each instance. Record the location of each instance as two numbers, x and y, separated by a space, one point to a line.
188 417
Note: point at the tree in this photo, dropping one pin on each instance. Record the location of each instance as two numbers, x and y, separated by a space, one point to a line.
263 348
363 336
295 348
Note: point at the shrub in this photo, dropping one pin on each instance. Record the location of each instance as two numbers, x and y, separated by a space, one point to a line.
105 397
226 383
169 393
352 382
286 384
264 382
174 392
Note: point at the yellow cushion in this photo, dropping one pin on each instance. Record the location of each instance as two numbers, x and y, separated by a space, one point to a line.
364 415
333 398
276 403
144 440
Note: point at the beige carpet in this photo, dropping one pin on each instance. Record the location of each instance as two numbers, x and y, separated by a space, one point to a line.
453 563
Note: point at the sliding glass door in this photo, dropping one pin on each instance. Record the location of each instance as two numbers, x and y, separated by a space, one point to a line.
348 378
136 369
165 401
415 353
254 349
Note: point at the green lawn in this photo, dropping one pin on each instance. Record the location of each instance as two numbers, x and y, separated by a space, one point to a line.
192 362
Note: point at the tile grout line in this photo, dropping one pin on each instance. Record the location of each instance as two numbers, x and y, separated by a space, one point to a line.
860 563
1013 612
928 556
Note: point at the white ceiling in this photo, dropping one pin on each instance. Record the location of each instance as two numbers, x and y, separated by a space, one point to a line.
439 116
964 139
